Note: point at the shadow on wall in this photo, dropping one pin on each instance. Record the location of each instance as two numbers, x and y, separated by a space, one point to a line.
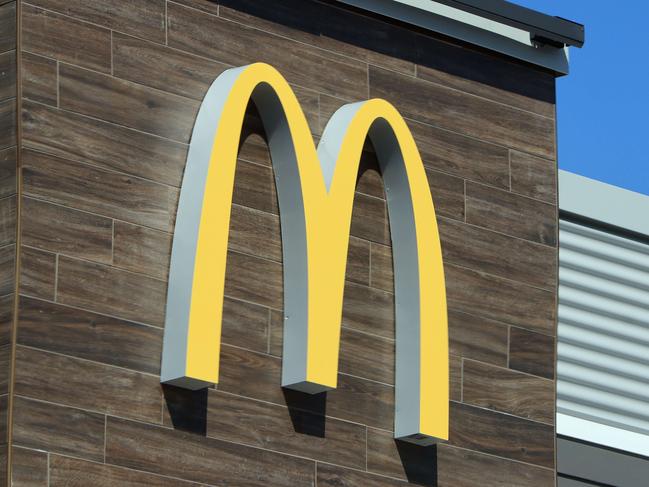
392 39
419 462
308 412
187 411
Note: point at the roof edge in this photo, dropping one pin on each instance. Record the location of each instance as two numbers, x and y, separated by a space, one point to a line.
495 25
557 30
603 202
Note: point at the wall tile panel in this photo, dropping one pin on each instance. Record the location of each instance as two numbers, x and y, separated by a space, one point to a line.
254 279
7 123
465 468
146 18
254 187
104 193
502 435
531 352
381 267
330 476
39 78
106 389
477 338
497 254
534 177
8 74
177 454
367 356
448 194
511 214
245 325
459 155
63 230
369 310
7 269
72 472
7 172
507 391
111 291
141 249
91 336
255 232
58 429
6 318
65 39
37 273
500 299
7 26
30 468
126 103
7 220
102 144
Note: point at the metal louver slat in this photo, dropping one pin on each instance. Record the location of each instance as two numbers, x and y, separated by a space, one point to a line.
587 319
574 259
604 380
605 305
621 421
603 351
602 361
628 292
593 340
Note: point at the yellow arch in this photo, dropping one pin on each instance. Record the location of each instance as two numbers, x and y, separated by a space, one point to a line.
316 190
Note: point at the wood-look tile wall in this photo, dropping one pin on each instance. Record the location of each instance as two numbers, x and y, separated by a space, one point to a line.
8 199
110 91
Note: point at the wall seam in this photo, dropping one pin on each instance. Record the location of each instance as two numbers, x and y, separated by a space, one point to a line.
14 324
556 299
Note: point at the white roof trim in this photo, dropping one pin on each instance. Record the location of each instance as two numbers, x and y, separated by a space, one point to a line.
513 33
470 28
602 434
603 202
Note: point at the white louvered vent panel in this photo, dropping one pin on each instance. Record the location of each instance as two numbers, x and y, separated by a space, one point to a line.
603 352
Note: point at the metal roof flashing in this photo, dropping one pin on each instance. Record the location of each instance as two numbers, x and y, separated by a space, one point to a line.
603 203
495 25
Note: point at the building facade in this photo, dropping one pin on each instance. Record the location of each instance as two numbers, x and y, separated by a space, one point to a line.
98 105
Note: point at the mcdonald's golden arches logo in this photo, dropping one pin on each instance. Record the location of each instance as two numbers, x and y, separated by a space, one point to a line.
315 188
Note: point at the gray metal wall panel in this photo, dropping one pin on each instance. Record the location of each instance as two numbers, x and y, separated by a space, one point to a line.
603 351
564 482
595 464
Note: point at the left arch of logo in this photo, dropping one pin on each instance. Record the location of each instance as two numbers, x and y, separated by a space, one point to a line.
315 189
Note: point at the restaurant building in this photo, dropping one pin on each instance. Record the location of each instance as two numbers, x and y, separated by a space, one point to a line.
98 103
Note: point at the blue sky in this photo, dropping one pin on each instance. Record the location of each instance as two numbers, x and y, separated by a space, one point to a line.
603 104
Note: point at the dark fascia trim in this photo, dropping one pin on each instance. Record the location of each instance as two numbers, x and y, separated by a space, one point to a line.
603 226
602 466
545 29
601 447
